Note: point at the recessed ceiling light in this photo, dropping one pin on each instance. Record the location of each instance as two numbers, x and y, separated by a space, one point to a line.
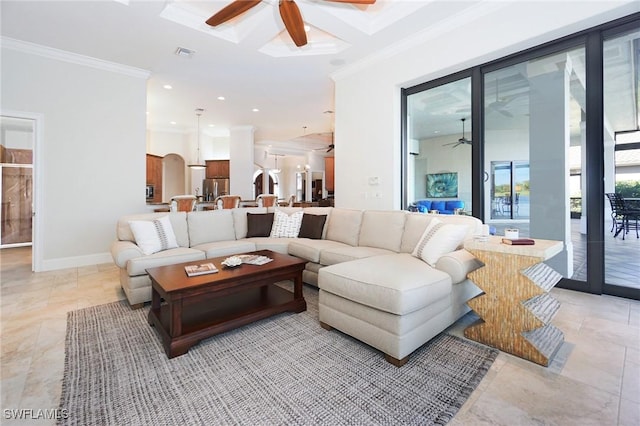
167 86
212 125
221 98
255 110
173 122
307 28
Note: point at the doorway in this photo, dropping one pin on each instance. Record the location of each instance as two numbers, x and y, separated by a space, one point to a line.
259 187
509 190
19 139
16 182
173 167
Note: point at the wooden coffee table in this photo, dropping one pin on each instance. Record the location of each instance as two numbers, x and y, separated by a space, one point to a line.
186 310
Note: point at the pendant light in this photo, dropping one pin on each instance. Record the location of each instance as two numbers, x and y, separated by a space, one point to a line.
276 170
198 165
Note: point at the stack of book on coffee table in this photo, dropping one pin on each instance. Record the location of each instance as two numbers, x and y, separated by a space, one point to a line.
254 259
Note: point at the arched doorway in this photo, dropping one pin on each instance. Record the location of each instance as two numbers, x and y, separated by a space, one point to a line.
258 185
173 176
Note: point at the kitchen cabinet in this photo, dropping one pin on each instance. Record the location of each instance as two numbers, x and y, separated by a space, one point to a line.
154 177
329 173
217 169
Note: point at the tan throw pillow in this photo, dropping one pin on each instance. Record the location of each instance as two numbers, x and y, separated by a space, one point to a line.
439 239
153 236
286 226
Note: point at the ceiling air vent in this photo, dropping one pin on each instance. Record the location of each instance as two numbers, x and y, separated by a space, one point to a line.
183 51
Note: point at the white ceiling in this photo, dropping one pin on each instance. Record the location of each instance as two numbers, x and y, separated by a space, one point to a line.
290 86
252 62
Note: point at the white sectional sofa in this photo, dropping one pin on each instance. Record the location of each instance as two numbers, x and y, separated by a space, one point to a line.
371 285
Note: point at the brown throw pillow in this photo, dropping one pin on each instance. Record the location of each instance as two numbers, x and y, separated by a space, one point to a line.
259 224
312 226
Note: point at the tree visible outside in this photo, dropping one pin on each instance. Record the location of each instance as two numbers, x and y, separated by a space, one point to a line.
628 188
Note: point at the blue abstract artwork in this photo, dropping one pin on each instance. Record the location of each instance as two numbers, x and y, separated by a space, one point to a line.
442 185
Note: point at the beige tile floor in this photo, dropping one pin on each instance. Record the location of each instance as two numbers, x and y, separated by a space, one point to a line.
594 379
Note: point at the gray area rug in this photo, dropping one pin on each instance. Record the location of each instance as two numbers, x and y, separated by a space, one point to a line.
282 370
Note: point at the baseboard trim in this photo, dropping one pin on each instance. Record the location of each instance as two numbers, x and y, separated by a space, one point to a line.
75 262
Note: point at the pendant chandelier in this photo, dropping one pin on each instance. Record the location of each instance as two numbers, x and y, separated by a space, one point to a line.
276 170
198 165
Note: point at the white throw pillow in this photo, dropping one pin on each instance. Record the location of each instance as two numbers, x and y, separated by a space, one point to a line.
286 226
439 239
153 236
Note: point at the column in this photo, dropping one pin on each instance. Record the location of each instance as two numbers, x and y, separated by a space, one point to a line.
241 161
549 161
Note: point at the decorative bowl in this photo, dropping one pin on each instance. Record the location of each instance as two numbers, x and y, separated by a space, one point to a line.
232 262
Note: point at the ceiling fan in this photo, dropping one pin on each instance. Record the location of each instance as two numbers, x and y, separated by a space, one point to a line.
329 148
462 141
288 11
501 103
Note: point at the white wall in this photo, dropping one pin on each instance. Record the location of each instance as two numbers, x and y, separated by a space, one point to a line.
367 97
214 147
93 150
161 143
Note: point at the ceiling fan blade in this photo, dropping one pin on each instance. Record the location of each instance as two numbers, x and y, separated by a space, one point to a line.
354 1
293 21
236 8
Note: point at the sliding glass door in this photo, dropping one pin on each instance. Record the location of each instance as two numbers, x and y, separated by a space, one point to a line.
621 138
544 135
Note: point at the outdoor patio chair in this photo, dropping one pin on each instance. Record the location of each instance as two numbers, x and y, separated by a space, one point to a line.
624 217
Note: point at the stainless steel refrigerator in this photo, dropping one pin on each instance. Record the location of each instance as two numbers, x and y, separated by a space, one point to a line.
211 188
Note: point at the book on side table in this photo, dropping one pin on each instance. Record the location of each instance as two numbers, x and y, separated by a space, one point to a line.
205 268
518 241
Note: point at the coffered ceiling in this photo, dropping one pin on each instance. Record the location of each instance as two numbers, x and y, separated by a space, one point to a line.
249 61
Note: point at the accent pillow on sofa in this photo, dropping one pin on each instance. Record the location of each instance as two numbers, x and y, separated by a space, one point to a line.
153 236
439 239
312 226
259 224
286 226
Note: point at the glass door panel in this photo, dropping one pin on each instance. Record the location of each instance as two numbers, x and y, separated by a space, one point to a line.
622 159
17 202
531 113
510 190
439 148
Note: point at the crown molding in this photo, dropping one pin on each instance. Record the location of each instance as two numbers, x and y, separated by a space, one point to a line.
74 58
